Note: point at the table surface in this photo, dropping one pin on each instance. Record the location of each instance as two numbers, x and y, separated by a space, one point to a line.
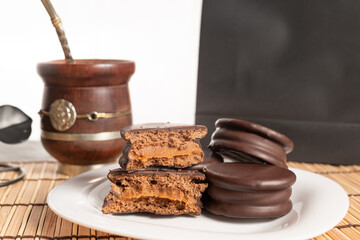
24 152
24 213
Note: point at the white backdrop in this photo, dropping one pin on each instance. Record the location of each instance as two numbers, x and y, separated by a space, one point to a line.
161 36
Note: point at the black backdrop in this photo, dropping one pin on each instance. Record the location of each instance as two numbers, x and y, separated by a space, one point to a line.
293 66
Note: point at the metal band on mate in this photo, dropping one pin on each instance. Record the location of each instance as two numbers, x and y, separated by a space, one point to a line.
102 136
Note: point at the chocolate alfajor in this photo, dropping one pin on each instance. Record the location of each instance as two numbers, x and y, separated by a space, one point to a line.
249 142
243 190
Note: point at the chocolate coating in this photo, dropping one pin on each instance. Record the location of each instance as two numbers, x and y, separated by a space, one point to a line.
272 135
228 142
123 161
242 176
247 211
256 198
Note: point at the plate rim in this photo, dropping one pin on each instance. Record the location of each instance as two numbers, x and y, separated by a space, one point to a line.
147 236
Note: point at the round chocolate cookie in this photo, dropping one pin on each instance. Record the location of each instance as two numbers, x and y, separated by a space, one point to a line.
249 142
247 147
255 198
242 176
247 211
241 125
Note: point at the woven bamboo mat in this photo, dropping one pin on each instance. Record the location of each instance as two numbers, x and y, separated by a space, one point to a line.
24 213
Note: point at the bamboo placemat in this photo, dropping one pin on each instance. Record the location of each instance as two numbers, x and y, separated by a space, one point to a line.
24 213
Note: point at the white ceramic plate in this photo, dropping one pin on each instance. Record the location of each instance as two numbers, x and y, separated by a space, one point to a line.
319 204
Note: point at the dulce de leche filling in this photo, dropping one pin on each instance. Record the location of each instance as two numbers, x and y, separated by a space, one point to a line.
173 188
163 151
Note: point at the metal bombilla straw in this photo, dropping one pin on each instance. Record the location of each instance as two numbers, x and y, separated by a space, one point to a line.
56 21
